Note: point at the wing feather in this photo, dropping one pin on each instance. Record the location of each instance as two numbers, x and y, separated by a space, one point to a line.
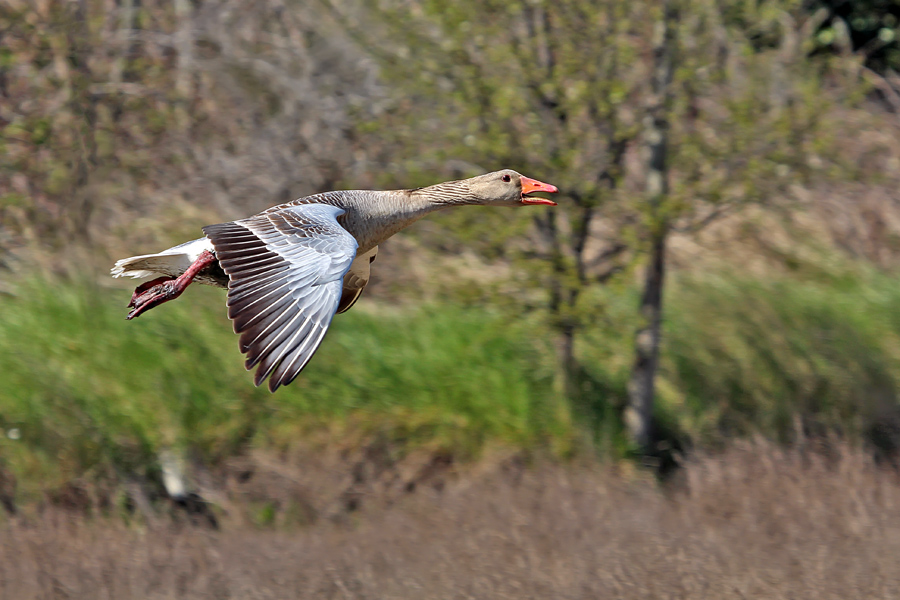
286 271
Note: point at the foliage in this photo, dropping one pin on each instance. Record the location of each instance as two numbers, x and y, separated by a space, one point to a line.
111 112
741 355
93 394
825 351
121 130
870 27
785 355
563 88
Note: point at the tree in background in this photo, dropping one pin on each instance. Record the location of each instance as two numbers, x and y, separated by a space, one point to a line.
727 124
126 120
551 89
870 27
638 413
111 110
571 91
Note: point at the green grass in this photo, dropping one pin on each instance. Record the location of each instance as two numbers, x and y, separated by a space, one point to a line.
813 352
745 355
93 394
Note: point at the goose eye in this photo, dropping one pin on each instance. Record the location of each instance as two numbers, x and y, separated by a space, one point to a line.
505 178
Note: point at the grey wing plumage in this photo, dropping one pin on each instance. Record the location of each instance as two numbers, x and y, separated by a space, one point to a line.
285 271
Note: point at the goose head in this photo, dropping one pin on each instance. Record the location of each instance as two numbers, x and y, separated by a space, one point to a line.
508 188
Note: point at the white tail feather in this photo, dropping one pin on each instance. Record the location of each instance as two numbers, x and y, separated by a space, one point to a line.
172 262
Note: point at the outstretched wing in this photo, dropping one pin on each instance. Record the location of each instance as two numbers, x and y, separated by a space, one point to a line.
285 271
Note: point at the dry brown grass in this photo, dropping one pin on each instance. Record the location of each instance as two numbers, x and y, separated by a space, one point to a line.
753 522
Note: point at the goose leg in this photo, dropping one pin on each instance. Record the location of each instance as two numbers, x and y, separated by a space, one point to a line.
146 286
153 293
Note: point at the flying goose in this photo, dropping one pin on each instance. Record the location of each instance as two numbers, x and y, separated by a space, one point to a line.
292 267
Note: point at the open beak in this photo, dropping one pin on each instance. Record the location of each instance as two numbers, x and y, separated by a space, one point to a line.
533 185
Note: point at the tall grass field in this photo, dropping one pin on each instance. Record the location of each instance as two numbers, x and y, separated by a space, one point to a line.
84 392
83 389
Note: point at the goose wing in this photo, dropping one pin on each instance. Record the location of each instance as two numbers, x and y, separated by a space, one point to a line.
285 271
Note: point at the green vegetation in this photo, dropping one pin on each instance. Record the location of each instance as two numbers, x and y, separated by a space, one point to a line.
94 396
755 355
92 393
124 130
784 355
652 117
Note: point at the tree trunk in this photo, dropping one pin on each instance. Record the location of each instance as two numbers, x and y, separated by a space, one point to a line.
569 363
641 388
638 414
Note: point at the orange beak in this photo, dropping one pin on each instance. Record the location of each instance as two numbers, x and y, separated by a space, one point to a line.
533 185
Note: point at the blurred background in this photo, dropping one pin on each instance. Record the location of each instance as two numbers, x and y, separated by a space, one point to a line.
680 382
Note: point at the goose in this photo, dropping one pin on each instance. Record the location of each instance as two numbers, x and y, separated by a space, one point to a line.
289 269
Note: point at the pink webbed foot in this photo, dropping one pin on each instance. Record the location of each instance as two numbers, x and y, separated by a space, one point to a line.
153 293
167 289
139 290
